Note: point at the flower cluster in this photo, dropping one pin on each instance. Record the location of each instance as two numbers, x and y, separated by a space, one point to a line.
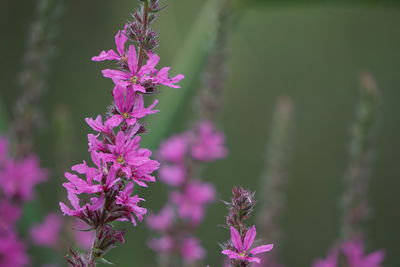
180 155
351 254
18 177
239 248
106 189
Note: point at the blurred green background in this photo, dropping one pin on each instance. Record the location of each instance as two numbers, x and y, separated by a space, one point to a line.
312 51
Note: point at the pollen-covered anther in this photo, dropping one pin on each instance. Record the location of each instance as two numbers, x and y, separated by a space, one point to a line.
120 159
134 79
126 115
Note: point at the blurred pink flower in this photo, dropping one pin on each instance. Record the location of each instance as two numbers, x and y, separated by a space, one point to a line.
83 238
173 175
9 213
243 249
12 250
19 177
47 233
191 250
209 144
162 221
174 148
353 252
163 244
191 202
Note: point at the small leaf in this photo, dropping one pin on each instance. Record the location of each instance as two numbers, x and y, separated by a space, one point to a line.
103 260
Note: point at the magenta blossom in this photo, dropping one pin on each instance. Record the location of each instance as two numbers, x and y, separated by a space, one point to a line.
163 221
242 249
163 244
135 162
209 144
47 233
191 202
19 177
173 174
120 40
78 211
191 250
354 255
137 76
174 148
129 107
12 250
130 204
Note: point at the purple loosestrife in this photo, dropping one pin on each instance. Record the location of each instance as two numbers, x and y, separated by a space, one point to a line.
239 248
351 254
18 177
349 248
274 179
47 233
103 194
181 155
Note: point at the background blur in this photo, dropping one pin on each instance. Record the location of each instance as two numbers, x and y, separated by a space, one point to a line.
312 51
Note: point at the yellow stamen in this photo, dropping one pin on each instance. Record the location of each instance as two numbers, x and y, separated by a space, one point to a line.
134 79
126 115
120 159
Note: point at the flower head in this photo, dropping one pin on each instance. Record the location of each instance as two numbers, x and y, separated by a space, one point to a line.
352 252
209 144
242 248
139 77
47 233
120 40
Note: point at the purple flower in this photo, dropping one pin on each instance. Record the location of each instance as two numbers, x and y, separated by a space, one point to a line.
19 177
12 250
120 40
133 161
191 250
242 249
191 202
209 143
98 125
173 175
137 76
47 233
163 244
130 204
163 221
174 148
9 213
129 107
353 252
78 211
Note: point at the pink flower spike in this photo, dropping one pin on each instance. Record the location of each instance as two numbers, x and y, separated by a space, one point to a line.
242 250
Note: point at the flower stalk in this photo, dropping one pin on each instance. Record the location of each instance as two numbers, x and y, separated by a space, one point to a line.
120 162
355 206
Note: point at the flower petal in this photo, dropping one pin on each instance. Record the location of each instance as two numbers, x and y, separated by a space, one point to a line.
261 249
249 238
109 55
236 239
132 59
